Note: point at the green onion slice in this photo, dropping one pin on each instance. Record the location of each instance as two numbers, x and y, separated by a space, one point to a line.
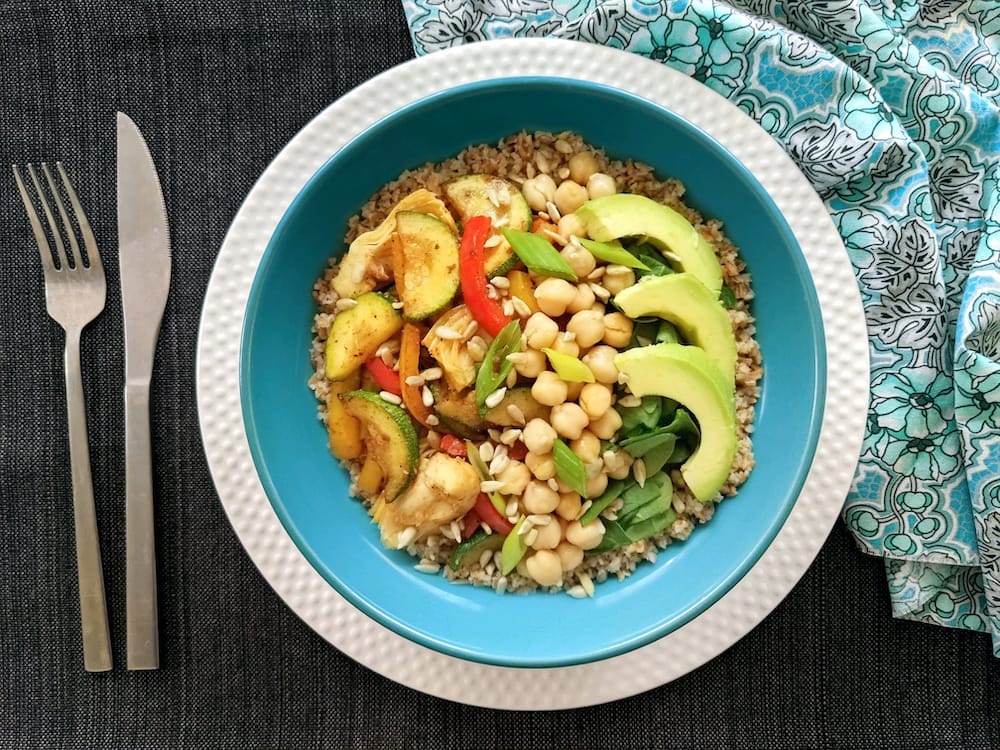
514 548
612 254
538 254
569 368
569 467
483 472
495 366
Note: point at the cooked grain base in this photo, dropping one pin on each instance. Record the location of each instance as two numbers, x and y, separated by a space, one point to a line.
519 157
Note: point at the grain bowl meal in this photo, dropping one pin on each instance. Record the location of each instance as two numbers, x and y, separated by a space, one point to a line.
537 363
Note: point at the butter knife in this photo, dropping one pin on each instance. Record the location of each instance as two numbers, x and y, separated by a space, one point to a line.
144 261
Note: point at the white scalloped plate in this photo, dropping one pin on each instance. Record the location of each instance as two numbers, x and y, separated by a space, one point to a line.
315 601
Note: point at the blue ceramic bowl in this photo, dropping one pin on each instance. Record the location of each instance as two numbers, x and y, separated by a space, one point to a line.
308 489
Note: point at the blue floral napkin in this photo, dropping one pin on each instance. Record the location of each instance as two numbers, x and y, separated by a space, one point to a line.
891 108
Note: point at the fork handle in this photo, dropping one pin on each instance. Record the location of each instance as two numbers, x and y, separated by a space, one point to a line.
143 642
93 607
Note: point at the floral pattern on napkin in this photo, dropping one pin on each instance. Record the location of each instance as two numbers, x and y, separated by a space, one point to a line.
890 109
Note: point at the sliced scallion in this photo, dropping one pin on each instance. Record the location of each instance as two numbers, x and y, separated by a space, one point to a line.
483 472
514 548
495 367
569 368
569 467
612 254
538 254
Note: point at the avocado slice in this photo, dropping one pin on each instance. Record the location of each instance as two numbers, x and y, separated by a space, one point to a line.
697 313
688 375
625 215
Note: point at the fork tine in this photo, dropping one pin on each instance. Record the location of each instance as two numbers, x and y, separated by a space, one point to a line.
36 226
67 225
60 249
89 241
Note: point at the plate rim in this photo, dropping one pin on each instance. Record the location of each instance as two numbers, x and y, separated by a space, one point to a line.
311 597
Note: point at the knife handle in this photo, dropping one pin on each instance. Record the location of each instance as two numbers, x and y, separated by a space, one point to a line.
141 620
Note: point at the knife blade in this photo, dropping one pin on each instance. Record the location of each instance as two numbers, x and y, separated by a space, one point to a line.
144 263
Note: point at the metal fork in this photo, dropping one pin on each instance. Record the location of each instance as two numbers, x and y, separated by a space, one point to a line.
75 292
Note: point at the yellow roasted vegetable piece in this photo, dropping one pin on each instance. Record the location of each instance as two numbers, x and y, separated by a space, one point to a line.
522 288
370 477
343 429
367 265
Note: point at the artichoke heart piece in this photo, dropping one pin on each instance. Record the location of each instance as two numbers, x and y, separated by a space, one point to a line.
367 265
447 341
444 489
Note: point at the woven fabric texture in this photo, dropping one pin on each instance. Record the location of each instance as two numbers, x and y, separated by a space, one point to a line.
218 88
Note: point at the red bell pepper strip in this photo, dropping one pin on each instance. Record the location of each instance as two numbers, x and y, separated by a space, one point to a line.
517 451
385 376
490 515
470 524
453 446
472 274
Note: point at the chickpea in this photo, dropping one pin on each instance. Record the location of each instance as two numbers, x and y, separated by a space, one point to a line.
617 330
587 447
588 325
600 185
569 505
582 166
515 478
542 467
569 196
572 225
597 484
606 425
601 361
545 567
570 556
538 191
569 420
538 436
585 537
578 257
531 363
549 535
595 399
553 295
522 567
569 348
540 331
573 391
583 300
539 498
617 464
617 278
549 389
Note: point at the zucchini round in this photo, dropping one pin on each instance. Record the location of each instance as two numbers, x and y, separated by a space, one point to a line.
388 434
501 200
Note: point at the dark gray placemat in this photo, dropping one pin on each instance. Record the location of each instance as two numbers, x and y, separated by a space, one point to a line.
218 88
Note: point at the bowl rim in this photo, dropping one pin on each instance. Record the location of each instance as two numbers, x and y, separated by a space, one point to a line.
632 639
309 596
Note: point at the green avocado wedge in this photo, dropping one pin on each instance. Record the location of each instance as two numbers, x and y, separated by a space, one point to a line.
683 300
688 375
625 215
